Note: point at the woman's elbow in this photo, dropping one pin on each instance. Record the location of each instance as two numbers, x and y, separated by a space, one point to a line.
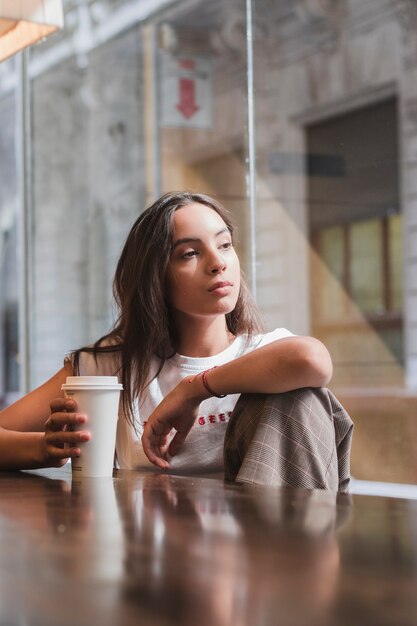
318 363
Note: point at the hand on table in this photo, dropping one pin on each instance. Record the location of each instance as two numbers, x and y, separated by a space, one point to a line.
177 411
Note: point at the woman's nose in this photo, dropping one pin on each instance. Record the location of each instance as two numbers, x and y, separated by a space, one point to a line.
217 263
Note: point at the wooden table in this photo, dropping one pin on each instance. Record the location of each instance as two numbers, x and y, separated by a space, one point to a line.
152 549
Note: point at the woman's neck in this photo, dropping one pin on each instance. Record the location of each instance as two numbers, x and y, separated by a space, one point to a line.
202 337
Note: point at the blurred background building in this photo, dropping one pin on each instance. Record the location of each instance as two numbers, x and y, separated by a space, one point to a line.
299 115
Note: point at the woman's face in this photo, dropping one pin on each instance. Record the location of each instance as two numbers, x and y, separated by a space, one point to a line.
203 274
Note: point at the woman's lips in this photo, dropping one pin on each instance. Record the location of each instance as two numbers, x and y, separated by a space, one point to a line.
221 288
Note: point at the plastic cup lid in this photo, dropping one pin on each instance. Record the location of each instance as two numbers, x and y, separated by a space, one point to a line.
92 381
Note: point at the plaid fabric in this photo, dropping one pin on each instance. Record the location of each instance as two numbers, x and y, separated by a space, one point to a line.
301 438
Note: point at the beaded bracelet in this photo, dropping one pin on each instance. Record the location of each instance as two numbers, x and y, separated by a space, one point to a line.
207 386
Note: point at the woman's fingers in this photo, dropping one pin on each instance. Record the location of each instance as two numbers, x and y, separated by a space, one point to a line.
58 421
59 454
155 444
63 436
177 442
65 443
61 404
63 414
67 437
177 412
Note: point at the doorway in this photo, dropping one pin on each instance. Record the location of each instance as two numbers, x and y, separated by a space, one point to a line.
355 223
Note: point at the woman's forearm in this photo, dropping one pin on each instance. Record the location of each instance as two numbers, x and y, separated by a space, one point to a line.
22 427
280 366
21 450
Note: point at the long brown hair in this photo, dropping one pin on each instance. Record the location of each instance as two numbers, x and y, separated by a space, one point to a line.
144 330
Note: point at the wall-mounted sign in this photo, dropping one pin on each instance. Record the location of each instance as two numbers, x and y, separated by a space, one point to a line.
186 91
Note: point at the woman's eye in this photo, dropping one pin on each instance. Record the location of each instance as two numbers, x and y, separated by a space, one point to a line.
226 245
189 254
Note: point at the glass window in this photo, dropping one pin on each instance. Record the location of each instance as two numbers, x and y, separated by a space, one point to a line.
134 99
116 122
335 202
89 175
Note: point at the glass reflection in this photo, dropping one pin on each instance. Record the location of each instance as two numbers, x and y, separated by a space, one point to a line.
229 557
167 549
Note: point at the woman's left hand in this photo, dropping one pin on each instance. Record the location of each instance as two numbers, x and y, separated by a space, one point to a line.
177 411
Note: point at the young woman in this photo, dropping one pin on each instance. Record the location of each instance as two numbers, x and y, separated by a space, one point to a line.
187 342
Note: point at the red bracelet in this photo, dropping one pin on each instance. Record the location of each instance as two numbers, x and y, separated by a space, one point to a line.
207 386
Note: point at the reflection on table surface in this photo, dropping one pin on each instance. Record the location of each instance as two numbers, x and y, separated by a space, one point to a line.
148 548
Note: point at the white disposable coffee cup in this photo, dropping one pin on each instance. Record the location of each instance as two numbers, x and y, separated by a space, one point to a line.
98 398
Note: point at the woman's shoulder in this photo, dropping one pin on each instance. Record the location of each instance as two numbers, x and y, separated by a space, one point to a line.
273 335
101 359
249 343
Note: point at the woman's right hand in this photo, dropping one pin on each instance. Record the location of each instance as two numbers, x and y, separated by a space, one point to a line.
176 412
62 435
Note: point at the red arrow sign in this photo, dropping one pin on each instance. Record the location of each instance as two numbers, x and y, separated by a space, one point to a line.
187 104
